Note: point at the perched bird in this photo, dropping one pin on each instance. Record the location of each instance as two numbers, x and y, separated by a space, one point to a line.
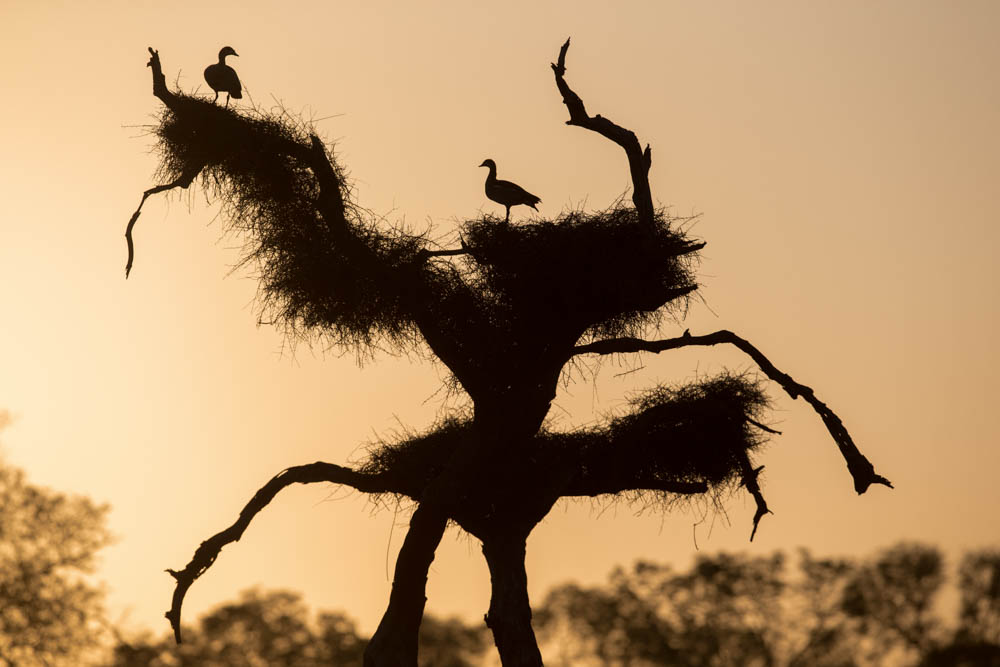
506 193
222 78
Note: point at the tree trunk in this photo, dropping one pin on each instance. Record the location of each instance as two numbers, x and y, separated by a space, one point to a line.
394 643
509 616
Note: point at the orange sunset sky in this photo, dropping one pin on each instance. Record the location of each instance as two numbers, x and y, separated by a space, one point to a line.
844 157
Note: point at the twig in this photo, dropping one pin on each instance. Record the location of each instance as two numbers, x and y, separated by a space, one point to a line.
750 475
183 181
443 253
763 427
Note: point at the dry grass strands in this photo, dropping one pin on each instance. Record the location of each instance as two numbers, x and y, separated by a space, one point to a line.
684 439
604 273
315 273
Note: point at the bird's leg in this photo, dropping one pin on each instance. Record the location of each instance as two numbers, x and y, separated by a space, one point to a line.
507 219
227 100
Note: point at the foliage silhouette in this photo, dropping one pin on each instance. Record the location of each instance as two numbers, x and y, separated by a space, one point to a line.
748 610
51 613
275 628
725 610
504 312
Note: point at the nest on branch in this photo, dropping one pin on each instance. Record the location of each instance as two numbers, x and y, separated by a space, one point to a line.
308 280
684 439
364 283
606 273
700 432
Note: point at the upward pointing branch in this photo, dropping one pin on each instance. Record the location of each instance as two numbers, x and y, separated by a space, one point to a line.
639 160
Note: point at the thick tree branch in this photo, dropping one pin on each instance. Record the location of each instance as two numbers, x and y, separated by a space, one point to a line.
639 160
509 615
160 89
207 552
860 468
394 643
331 199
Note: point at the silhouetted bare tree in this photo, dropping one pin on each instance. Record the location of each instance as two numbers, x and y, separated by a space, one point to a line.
504 312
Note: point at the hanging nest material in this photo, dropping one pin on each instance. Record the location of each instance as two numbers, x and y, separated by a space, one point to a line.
314 273
673 440
606 273
362 282
699 432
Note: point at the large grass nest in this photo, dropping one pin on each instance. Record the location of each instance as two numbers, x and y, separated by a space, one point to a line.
307 280
605 273
699 432
685 433
366 284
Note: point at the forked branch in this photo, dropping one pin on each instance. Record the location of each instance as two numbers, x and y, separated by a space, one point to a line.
750 475
860 468
639 160
209 550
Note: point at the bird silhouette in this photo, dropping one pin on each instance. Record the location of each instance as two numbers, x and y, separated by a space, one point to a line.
222 78
506 193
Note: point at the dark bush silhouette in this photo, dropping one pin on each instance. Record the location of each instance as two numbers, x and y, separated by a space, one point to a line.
51 612
749 610
275 628
505 311
725 610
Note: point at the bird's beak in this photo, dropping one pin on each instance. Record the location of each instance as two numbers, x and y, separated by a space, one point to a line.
483 164
236 54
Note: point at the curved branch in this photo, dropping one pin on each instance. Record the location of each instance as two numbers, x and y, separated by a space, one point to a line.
184 181
207 552
639 160
860 468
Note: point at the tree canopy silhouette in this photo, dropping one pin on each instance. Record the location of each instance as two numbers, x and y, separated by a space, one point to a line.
51 613
275 628
735 609
726 609
504 311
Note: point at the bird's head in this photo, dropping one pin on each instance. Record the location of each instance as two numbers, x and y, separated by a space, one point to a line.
489 163
228 51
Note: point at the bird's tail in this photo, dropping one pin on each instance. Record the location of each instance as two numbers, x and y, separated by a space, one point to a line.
236 94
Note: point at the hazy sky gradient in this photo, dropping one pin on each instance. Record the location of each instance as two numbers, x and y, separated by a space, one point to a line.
845 158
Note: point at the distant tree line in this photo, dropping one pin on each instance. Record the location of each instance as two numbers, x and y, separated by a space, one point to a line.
751 610
276 628
727 609
51 611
